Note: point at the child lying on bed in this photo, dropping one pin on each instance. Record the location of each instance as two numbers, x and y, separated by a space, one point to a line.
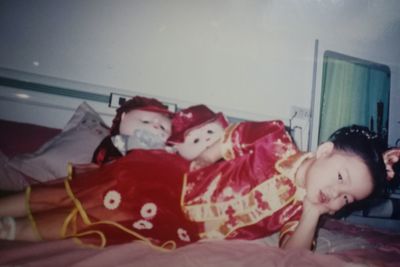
264 185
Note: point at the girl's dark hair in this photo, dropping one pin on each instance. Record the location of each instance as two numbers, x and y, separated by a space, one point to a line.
360 141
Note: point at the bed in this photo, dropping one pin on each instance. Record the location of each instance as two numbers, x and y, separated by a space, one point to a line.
35 149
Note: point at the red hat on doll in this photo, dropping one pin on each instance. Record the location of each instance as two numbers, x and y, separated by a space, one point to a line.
138 103
192 117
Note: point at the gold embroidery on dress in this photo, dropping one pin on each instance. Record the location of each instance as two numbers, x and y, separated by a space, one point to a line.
223 218
243 210
227 144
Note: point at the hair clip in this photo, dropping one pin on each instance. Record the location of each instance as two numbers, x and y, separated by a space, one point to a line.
389 177
391 157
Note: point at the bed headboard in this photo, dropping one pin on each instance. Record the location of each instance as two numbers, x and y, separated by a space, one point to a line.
50 102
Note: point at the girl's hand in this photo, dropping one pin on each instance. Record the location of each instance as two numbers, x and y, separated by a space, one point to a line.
315 209
304 233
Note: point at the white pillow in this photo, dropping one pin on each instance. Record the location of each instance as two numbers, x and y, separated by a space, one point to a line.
76 144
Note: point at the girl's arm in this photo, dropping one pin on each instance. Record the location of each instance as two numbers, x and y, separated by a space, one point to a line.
303 236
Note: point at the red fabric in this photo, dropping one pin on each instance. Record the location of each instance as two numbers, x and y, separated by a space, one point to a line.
237 198
140 197
18 138
147 184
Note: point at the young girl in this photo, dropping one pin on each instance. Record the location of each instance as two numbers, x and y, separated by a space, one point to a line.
265 185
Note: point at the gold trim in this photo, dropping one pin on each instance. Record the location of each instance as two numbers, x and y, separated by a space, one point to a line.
254 214
183 191
70 171
289 227
67 222
29 213
76 237
247 198
227 150
291 171
77 203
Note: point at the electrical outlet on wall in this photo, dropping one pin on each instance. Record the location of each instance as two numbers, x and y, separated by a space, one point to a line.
299 113
299 123
117 100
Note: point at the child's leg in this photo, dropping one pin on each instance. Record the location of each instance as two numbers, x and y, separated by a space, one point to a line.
7 228
13 205
17 229
24 230
49 212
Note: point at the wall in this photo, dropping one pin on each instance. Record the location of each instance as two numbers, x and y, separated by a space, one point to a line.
243 57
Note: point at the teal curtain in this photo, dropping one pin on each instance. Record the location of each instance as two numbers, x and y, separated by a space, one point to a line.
379 87
350 95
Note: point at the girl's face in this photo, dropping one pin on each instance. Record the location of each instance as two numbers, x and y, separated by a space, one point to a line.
199 139
153 122
337 178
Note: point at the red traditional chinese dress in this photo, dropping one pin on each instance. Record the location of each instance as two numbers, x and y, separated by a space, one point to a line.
253 193
148 194
136 197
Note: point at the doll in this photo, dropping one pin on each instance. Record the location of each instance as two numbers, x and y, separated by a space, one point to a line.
194 130
140 123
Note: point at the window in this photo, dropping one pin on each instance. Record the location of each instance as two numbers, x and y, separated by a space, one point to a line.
354 91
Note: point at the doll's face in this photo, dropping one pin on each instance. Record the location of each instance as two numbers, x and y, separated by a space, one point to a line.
153 122
199 139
